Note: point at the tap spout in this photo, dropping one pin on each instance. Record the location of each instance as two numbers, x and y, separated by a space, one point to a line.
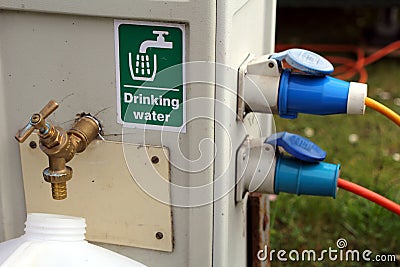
59 145
159 43
58 174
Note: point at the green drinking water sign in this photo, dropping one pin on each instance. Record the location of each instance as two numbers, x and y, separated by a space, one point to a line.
150 75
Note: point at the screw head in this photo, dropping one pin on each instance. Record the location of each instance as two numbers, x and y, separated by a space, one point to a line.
271 65
35 118
159 235
155 159
32 144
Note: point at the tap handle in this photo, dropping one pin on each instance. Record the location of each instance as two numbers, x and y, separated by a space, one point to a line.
36 121
160 33
48 109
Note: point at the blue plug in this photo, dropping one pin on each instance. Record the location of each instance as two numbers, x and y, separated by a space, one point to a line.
304 173
319 95
305 178
312 92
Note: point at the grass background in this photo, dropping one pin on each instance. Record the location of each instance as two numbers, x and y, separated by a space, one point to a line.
308 222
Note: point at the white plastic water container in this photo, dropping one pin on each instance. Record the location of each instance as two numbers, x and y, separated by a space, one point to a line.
57 241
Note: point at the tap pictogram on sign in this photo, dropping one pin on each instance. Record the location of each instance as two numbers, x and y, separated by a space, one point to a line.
143 67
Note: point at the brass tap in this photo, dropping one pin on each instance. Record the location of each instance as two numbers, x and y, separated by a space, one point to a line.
59 145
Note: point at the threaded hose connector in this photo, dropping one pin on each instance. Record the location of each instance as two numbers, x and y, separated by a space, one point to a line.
59 190
58 180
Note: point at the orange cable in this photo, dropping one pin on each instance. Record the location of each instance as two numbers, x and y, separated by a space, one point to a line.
390 114
382 52
370 195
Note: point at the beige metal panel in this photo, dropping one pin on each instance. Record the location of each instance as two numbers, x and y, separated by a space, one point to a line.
106 193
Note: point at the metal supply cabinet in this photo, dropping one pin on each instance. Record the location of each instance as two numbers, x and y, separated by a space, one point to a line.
65 50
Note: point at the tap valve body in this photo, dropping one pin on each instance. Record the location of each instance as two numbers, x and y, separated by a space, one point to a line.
59 145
